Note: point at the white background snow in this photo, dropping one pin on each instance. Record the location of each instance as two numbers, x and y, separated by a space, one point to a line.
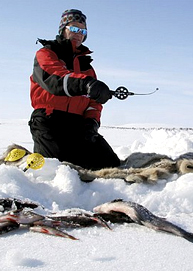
127 246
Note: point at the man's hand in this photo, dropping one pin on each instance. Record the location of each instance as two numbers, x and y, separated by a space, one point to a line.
98 91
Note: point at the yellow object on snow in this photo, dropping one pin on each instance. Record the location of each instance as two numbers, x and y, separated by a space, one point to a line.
35 161
15 155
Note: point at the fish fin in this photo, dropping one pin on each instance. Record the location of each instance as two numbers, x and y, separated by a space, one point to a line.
52 231
101 221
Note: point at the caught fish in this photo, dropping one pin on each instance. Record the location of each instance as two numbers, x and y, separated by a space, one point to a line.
49 223
10 204
51 231
8 226
27 218
80 218
140 215
9 217
21 217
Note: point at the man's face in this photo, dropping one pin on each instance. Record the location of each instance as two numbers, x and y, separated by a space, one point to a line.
76 38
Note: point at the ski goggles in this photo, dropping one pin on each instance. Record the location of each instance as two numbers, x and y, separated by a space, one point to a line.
75 29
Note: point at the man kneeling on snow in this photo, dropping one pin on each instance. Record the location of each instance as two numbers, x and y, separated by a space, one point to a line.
67 99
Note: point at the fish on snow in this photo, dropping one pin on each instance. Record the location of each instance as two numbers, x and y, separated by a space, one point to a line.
142 216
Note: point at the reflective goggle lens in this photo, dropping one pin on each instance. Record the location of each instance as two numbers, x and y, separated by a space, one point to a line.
75 29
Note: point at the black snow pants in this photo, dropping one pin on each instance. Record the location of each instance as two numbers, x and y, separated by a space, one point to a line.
61 135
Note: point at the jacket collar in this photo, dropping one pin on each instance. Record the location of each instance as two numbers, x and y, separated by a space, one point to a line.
63 49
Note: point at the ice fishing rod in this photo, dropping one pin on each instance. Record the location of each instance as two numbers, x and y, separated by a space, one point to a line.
122 93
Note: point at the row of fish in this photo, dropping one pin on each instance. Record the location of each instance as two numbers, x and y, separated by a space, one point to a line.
16 213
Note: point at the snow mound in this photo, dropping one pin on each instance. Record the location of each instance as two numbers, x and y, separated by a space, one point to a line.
57 187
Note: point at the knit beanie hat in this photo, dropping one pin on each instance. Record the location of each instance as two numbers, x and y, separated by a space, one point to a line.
71 15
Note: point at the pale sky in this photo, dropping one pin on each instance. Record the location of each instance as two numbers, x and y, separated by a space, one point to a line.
139 44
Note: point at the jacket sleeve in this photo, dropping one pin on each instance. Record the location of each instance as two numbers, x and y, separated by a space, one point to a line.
52 75
93 111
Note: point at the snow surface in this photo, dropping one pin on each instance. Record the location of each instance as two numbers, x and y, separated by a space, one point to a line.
127 246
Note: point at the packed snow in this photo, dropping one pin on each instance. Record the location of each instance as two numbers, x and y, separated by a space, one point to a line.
57 187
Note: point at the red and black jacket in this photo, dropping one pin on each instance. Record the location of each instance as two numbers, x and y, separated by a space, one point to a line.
58 79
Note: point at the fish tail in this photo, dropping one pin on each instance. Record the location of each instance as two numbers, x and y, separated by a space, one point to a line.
166 226
187 235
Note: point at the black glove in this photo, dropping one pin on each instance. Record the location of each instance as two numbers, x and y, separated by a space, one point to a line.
91 127
97 90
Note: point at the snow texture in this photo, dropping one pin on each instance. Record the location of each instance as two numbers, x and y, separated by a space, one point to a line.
57 188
